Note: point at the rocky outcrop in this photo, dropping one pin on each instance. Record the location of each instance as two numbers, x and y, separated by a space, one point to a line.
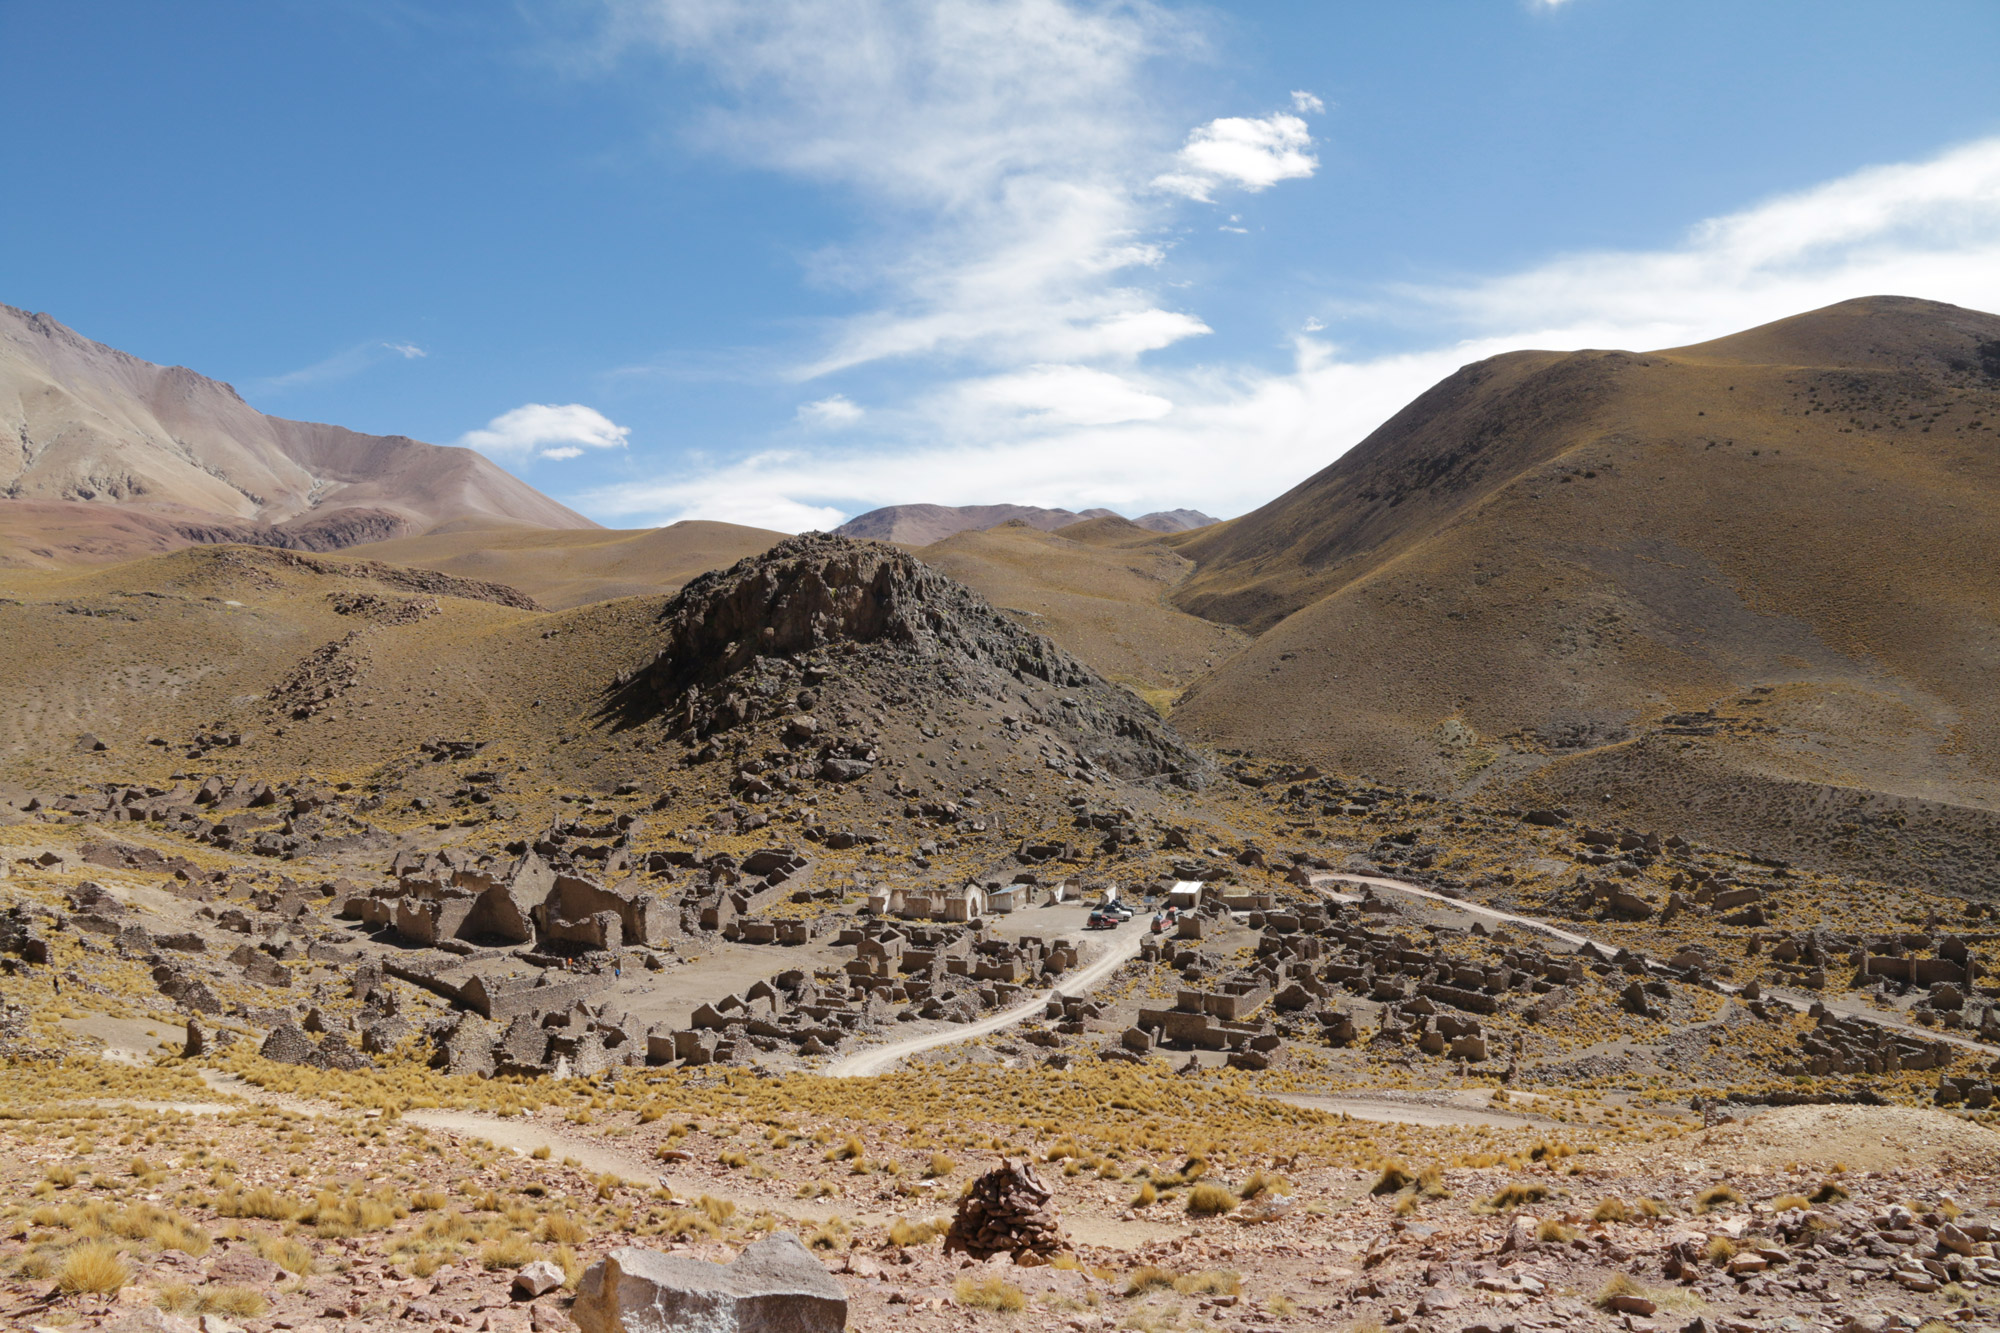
827 617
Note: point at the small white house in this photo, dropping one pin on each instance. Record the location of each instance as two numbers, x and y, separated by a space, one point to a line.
1186 895
1007 899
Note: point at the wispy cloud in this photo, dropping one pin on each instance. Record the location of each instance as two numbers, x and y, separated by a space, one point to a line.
343 364
546 430
1236 436
830 413
1001 150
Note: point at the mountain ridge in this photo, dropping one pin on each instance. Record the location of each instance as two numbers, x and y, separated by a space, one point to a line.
101 427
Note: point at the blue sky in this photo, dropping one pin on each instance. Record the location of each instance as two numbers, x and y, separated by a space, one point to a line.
776 262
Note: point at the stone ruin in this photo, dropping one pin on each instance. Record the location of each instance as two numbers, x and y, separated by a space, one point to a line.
898 974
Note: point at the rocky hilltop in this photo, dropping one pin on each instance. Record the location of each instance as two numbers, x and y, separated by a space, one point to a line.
827 624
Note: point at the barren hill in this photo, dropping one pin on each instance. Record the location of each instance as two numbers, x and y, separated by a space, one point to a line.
100 428
1099 588
1750 579
565 567
921 525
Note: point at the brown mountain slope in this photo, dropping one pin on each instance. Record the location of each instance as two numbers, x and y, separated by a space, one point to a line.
1104 600
1562 565
98 426
570 567
920 525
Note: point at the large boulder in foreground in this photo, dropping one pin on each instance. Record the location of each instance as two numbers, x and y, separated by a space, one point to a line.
775 1286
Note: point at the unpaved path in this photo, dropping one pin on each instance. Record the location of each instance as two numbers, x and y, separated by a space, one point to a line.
1123 947
1390 1111
1798 1000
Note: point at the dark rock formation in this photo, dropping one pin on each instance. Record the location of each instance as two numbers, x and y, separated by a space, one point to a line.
822 620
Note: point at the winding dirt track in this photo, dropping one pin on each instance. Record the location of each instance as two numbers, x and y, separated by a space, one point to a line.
1124 946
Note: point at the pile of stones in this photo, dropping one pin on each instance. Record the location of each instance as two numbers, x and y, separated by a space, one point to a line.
1007 1211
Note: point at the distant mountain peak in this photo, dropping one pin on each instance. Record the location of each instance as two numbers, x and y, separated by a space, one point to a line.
922 524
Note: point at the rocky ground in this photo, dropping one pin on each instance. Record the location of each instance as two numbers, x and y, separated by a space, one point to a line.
487 1001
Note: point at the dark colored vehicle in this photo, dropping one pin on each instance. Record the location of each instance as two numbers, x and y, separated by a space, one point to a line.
1100 919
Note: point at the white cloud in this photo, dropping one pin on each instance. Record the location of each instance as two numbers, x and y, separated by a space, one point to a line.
1000 148
1305 103
1254 154
830 413
408 351
1237 437
1070 395
547 430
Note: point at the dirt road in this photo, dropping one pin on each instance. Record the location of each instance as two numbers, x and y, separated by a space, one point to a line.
1123 946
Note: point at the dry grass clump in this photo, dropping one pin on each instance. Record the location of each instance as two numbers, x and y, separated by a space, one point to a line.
1146 1195
1622 1286
1716 1196
1612 1210
262 1202
288 1253
1394 1179
1830 1192
1517 1194
1213 1282
1720 1250
991 1292
939 1167
903 1232
92 1268
1786 1203
1149 1278
564 1229
1209 1199
1552 1231
183 1298
510 1251
1261 1182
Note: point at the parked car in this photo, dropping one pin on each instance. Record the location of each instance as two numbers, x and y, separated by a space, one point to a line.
1102 919
1166 919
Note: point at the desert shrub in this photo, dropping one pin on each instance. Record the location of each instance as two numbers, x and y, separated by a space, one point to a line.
1430 1182
60 1174
288 1253
1210 1200
1554 1232
1720 1250
1612 1210
1149 1278
93 1268
1786 1203
850 1149
939 1167
991 1292
1655 1208
1147 1195
425 1201
1830 1192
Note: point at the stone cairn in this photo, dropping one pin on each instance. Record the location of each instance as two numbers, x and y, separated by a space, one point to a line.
1007 1211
